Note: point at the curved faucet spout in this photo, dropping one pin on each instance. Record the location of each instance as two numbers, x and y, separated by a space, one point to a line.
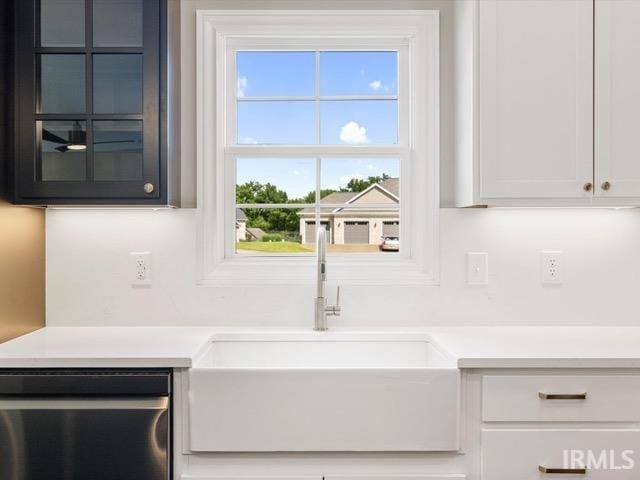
321 307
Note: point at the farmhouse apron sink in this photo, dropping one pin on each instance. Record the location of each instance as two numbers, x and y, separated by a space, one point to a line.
323 392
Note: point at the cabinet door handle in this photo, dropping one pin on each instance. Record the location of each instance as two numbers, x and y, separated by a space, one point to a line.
148 188
605 185
562 396
587 186
566 471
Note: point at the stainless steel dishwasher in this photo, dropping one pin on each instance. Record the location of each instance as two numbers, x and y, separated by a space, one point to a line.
85 424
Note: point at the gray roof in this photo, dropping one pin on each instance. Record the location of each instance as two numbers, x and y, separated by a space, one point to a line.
256 232
338 197
392 185
240 215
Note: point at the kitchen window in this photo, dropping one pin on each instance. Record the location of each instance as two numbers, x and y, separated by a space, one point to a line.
317 118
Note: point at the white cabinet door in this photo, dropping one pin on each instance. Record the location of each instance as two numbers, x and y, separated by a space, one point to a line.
535 98
617 99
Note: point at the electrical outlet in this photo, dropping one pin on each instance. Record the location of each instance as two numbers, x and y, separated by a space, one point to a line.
477 268
551 267
140 268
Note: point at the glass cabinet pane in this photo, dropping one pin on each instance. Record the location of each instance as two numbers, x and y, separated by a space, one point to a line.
62 150
117 23
117 150
62 23
117 83
62 81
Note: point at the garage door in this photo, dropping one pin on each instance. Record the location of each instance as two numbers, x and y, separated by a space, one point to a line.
310 232
356 232
391 229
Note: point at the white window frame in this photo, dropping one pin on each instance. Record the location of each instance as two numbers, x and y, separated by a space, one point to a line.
415 34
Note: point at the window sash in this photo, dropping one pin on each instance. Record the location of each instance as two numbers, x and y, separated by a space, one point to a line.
354 44
231 205
380 30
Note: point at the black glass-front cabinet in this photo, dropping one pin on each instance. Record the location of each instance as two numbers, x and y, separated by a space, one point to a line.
90 102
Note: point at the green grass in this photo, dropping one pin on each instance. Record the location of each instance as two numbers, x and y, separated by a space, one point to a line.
273 247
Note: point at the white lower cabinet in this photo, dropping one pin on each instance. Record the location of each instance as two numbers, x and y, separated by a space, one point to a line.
561 398
524 454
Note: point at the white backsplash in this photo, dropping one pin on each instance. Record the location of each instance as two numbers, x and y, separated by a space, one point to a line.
88 274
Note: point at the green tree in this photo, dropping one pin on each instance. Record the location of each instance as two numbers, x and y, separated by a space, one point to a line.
268 219
359 184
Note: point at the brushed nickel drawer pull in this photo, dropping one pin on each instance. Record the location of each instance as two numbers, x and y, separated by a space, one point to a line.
567 471
562 396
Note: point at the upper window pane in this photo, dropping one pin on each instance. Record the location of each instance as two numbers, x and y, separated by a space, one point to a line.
117 23
359 122
276 123
62 82
268 74
358 73
62 23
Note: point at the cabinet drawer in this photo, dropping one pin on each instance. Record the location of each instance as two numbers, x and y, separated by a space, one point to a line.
609 398
519 454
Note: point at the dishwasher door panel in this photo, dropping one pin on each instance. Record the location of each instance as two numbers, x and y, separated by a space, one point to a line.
82 440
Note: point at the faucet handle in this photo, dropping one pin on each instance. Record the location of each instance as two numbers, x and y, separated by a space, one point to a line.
335 310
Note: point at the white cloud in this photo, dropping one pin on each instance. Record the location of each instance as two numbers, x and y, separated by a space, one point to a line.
372 167
242 84
375 85
353 133
296 172
247 141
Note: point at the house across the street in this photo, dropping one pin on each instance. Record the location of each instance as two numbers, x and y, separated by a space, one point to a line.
357 226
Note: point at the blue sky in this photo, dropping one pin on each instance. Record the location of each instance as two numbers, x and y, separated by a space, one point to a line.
272 74
350 122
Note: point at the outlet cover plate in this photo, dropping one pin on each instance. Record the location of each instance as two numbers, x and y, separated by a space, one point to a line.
140 268
551 267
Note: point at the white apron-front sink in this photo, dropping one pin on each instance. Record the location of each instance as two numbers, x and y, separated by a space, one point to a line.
323 392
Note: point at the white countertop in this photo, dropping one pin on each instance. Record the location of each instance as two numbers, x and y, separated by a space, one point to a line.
473 347
105 347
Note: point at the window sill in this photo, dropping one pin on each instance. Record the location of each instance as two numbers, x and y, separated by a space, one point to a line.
261 271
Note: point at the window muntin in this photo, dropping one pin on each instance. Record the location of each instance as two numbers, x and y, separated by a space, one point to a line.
304 98
285 99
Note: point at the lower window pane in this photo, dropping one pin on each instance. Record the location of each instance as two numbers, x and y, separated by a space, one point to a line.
63 150
269 231
354 175
355 230
117 150
275 180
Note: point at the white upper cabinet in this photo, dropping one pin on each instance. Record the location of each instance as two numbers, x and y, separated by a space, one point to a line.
617 98
535 81
547 101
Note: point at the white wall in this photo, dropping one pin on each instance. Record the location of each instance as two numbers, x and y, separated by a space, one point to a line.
87 283
87 251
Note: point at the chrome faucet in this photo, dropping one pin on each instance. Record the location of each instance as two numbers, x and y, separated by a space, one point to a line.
322 310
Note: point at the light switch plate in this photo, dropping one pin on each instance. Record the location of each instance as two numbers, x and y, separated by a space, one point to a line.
477 268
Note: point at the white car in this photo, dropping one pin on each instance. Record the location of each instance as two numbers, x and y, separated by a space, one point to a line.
390 244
